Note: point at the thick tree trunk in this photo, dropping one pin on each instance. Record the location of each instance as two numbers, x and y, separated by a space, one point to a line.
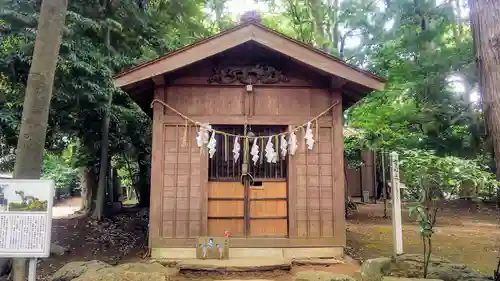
103 169
84 193
485 23
88 181
31 141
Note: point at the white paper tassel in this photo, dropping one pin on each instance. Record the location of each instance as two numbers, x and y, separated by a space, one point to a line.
203 135
309 136
284 146
271 156
212 145
236 149
292 145
255 151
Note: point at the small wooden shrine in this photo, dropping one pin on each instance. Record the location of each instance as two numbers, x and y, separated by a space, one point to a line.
247 140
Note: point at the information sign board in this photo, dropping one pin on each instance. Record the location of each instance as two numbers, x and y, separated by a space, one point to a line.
25 218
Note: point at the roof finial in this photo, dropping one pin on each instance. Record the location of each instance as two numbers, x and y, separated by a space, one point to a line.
250 16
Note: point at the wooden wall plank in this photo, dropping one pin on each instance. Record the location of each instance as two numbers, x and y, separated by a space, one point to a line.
252 120
204 193
175 135
157 159
292 197
337 158
194 101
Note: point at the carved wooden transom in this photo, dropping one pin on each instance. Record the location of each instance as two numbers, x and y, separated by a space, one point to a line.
248 75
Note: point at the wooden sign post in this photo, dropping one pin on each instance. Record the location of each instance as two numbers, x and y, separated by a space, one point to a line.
397 228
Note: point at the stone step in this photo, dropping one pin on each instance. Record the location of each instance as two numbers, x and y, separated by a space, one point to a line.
317 261
235 264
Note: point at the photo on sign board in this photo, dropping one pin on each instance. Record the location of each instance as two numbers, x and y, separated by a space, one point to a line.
18 197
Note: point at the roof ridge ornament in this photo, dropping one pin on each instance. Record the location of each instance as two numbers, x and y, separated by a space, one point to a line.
251 16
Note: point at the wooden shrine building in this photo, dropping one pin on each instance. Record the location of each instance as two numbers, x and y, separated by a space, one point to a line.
247 81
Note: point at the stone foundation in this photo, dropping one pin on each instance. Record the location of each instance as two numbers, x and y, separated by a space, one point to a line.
282 253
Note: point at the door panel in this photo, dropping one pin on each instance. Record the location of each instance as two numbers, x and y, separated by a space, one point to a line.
226 208
269 210
259 209
268 228
217 189
217 227
269 190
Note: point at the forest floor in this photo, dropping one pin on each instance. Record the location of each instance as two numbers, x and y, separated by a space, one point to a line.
463 236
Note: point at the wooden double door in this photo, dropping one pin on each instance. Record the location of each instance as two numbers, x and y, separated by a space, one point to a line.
248 211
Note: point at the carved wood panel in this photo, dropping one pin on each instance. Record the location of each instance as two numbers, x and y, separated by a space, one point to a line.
248 75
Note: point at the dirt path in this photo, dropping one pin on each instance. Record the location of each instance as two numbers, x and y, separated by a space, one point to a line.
66 208
471 238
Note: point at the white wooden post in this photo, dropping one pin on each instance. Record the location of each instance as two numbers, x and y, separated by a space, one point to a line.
397 228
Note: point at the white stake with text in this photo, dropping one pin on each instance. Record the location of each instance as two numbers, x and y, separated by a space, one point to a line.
397 228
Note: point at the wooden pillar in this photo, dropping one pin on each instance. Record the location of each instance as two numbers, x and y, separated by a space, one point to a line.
292 194
338 169
157 160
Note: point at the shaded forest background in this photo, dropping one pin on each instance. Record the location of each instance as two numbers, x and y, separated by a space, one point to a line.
430 111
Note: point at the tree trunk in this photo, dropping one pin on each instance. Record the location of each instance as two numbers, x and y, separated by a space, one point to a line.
103 169
143 183
334 18
31 141
88 180
132 181
84 187
118 190
218 6
111 183
485 24
458 17
319 31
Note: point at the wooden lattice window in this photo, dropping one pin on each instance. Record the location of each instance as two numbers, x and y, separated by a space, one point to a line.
222 166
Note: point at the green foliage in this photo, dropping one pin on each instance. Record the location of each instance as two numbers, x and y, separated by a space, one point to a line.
425 212
426 218
60 170
33 205
448 174
352 152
